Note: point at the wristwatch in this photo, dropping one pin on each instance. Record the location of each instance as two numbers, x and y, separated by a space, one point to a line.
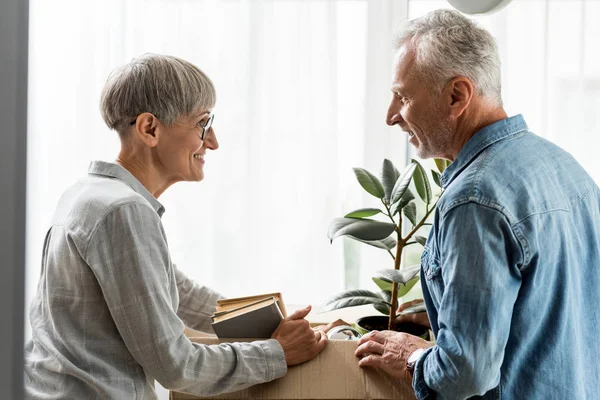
413 358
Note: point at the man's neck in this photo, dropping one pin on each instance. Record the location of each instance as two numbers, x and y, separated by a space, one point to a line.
472 121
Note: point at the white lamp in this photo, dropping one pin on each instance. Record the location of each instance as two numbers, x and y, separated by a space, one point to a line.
474 7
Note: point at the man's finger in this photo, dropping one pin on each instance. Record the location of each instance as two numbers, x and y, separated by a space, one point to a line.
333 324
373 335
416 318
368 348
371 361
404 306
300 314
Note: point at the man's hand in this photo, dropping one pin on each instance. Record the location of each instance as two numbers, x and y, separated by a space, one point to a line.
420 318
388 351
299 342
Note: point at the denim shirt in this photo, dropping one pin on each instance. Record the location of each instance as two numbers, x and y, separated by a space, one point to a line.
510 273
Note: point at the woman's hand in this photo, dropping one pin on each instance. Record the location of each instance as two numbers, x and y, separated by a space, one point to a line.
299 342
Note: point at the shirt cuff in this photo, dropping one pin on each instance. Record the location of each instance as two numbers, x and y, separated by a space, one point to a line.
276 365
422 391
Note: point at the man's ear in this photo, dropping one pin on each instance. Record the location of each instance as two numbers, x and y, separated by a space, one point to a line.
145 129
459 93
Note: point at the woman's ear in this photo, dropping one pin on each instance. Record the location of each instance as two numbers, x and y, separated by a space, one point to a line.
460 91
145 129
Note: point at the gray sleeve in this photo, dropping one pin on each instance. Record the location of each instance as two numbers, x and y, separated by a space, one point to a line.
196 303
129 256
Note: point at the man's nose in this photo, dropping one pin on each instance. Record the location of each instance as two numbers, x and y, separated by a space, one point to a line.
393 115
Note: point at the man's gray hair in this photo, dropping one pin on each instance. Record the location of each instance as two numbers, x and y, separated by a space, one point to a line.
166 86
448 44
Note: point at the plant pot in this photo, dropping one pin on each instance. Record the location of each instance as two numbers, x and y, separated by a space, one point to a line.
380 323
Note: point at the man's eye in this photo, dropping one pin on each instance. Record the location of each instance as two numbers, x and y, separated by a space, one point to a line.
202 123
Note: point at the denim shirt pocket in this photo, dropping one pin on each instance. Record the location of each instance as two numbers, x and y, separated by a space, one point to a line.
430 264
432 272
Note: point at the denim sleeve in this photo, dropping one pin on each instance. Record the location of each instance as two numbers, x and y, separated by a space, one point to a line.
197 303
479 280
422 392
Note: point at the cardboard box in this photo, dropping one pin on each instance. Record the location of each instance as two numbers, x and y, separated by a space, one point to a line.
333 374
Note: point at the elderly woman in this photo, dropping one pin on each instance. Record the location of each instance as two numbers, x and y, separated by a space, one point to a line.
109 314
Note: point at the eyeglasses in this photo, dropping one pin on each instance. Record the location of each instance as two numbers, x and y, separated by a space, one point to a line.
205 125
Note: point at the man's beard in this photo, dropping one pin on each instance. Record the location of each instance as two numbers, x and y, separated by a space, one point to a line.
440 134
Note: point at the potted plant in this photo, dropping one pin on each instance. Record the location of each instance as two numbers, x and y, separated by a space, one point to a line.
405 217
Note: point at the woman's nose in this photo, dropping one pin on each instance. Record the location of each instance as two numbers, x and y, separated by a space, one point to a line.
210 141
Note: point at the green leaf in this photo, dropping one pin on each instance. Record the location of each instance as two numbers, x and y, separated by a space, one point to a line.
369 182
364 229
402 182
385 308
417 308
441 164
388 243
411 212
404 289
420 239
408 196
383 285
363 213
437 178
386 295
389 176
401 276
422 182
353 298
382 308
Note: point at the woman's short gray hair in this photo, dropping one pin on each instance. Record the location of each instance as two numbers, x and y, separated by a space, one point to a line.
166 86
448 44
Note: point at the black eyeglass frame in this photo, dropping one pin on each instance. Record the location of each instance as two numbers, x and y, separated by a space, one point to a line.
205 128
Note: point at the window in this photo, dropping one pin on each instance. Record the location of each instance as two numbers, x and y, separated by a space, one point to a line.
302 98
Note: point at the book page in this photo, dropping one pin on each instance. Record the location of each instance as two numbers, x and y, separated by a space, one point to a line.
222 316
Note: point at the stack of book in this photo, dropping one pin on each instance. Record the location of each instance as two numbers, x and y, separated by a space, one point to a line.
249 317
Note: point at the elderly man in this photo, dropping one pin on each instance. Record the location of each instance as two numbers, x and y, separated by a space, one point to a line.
109 314
511 268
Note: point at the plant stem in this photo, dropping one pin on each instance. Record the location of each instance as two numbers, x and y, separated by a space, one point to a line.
419 225
399 247
389 214
397 259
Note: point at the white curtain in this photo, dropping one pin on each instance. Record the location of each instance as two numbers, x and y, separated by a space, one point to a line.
302 97
303 88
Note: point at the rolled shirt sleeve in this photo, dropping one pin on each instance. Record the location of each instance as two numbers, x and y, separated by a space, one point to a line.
477 285
129 256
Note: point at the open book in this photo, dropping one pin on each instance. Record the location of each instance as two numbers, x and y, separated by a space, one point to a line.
248 317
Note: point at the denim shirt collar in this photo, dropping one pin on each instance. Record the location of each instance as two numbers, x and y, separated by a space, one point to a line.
485 137
115 171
